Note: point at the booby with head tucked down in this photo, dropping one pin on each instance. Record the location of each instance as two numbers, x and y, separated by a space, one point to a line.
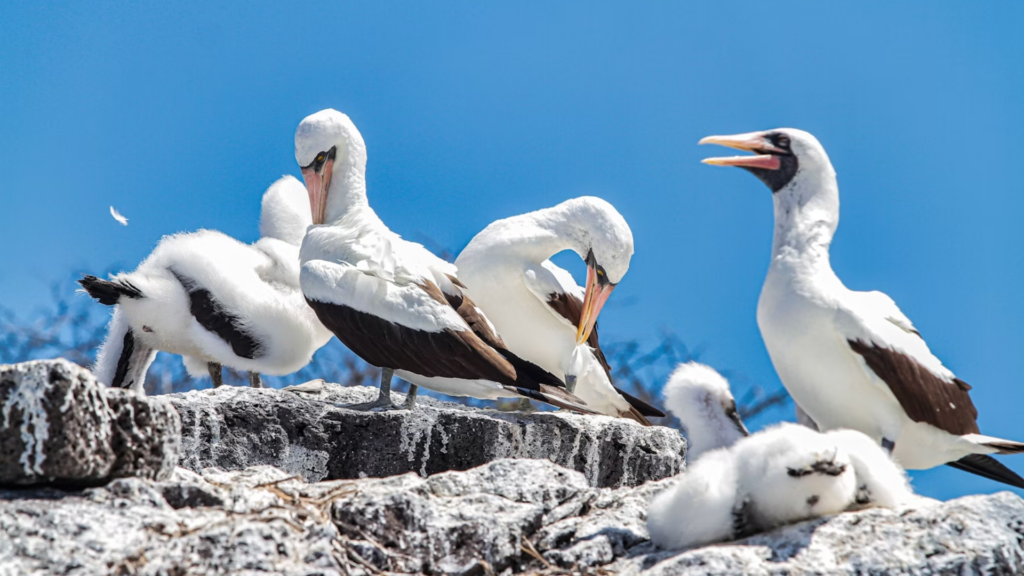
539 310
851 359
390 301
215 301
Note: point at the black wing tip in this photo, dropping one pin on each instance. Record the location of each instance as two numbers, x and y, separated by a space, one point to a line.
641 406
988 467
528 373
107 292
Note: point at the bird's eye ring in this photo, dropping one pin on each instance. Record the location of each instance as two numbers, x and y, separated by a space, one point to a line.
320 158
783 141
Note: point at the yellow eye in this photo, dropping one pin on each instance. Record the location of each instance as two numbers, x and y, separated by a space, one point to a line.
320 158
600 272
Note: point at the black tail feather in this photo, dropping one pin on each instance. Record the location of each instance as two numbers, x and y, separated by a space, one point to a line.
641 406
108 293
988 467
528 374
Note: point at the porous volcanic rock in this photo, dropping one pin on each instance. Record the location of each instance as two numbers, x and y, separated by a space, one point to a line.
508 516
59 426
304 432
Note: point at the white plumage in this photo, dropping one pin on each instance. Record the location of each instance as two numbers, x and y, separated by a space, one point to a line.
250 293
536 306
849 359
699 509
700 397
390 301
881 482
737 485
788 473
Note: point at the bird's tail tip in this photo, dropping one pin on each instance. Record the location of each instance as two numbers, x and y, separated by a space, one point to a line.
988 467
108 292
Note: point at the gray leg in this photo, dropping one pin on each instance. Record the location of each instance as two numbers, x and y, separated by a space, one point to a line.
254 380
215 374
383 400
410 398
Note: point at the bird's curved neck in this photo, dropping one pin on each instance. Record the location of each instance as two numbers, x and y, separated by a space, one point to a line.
347 193
539 235
806 217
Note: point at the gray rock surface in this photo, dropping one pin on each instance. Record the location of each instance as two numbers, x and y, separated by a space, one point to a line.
508 516
303 432
59 426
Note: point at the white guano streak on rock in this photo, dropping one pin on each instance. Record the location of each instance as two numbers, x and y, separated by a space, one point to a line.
28 396
420 426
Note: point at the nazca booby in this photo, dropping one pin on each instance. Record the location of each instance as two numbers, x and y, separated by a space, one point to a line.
851 359
215 301
700 397
539 310
390 301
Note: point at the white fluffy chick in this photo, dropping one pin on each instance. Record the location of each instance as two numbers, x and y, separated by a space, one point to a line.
700 397
880 481
788 473
699 509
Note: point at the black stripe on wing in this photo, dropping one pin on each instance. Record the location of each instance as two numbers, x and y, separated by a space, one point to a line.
212 316
924 396
386 344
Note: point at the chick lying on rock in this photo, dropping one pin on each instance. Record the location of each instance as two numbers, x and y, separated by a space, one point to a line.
742 485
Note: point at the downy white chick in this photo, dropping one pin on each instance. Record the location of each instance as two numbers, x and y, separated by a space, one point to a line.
215 301
700 397
880 481
699 509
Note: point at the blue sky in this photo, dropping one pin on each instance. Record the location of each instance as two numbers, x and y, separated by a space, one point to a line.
180 117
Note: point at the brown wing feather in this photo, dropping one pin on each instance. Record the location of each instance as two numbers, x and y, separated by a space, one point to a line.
924 396
449 353
570 307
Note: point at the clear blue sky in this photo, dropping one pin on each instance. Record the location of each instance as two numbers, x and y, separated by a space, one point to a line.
180 116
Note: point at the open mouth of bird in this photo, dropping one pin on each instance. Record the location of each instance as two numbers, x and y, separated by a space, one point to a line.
764 154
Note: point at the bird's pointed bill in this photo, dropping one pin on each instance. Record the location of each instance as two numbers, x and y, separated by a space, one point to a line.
318 182
597 295
750 142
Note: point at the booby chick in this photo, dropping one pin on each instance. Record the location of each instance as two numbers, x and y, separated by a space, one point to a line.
390 301
215 301
851 359
700 397
881 483
539 310
780 475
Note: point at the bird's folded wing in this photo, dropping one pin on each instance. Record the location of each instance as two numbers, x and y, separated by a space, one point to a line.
408 327
560 294
894 355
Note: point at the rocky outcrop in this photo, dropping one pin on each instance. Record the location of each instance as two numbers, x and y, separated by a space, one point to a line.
59 426
507 516
302 431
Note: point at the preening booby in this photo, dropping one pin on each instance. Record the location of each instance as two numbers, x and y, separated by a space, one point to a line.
392 302
851 359
215 301
539 310
700 397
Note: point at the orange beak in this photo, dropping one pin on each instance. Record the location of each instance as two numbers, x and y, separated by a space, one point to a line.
318 183
597 295
750 142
